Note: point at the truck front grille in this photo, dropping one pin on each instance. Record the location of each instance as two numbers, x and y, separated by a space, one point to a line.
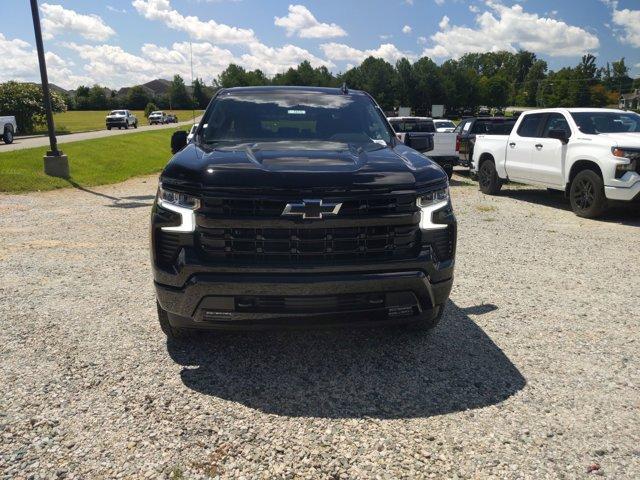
300 245
272 208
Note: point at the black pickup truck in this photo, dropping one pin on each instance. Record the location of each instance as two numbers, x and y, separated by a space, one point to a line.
298 206
468 128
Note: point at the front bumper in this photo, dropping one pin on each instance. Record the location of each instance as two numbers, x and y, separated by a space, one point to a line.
222 301
625 194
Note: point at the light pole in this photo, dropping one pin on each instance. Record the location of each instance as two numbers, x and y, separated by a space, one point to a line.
56 164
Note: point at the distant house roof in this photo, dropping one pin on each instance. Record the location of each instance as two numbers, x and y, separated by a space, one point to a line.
631 96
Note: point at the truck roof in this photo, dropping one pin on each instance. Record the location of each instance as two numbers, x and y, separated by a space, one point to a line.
572 110
284 88
410 118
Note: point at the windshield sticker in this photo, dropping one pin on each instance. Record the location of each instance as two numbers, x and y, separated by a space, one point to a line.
297 112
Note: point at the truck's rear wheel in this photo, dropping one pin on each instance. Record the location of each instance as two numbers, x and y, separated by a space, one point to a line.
8 136
171 332
488 178
586 194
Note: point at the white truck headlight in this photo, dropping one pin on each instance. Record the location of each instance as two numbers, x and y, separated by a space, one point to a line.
429 203
181 203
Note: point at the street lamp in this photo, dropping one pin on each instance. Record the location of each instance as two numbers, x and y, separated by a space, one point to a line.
56 164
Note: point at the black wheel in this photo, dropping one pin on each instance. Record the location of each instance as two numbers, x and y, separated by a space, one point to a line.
587 194
8 136
488 178
126 126
426 322
108 128
167 329
448 169
135 125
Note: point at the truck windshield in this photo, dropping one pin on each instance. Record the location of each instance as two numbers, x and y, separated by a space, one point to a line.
271 116
606 122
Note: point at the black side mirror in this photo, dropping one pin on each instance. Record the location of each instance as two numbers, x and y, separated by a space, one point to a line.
178 141
419 141
559 134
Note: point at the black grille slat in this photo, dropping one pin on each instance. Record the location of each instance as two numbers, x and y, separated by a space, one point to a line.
443 243
167 245
310 245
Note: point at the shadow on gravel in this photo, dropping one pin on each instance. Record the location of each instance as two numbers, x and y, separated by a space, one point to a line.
620 213
117 201
378 373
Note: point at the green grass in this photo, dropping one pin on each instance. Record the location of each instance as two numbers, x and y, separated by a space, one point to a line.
91 162
85 121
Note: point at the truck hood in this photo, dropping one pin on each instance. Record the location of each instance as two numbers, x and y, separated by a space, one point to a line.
295 165
621 139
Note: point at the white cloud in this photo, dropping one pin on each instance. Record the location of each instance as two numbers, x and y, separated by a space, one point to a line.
439 2
511 28
200 30
22 65
422 40
341 52
273 60
301 21
406 29
116 10
629 21
57 20
473 9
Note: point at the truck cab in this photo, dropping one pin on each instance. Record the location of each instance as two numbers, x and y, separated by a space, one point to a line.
593 155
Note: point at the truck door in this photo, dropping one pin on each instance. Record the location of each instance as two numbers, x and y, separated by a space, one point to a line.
549 153
520 147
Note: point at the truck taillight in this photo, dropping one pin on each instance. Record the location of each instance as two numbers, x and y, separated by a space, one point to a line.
457 143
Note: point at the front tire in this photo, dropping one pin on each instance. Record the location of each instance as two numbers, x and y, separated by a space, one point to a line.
586 195
490 183
8 136
171 332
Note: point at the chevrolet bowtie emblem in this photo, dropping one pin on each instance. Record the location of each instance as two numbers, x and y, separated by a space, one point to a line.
312 209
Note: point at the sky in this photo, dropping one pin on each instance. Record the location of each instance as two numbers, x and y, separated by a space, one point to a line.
120 43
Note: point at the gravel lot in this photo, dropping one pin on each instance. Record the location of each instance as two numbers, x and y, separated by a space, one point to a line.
532 374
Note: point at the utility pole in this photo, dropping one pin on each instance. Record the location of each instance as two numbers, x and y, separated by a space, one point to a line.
193 98
56 164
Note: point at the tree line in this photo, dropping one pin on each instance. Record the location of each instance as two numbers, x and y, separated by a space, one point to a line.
493 79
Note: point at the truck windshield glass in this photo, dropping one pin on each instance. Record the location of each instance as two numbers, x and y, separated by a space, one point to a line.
255 117
606 122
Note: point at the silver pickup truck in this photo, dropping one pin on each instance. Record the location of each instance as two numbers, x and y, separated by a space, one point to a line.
8 128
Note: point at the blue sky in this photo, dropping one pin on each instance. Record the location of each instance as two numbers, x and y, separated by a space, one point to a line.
123 42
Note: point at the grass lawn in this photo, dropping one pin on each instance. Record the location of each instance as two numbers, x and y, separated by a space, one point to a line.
91 162
85 121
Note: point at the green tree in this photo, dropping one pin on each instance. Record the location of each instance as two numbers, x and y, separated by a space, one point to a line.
200 97
138 98
25 102
150 107
429 85
178 94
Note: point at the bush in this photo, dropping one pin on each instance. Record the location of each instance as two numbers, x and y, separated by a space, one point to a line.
25 102
151 107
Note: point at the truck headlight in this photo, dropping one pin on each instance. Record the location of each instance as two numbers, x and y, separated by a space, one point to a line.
632 155
429 203
181 203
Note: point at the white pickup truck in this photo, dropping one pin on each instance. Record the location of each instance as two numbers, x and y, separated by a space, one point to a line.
444 151
8 129
591 154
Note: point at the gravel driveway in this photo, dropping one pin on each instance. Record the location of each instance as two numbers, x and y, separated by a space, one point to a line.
533 372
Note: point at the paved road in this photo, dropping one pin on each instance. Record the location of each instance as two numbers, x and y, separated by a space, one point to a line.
32 142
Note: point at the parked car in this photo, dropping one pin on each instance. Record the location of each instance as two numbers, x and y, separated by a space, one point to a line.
468 128
8 127
444 143
593 155
299 206
171 118
121 119
192 132
157 118
444 126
